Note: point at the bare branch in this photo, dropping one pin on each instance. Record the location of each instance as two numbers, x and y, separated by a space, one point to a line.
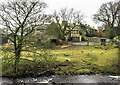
107 13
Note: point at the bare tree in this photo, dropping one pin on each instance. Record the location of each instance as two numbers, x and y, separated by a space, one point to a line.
118 15
69 15
67 18
108 13
20 18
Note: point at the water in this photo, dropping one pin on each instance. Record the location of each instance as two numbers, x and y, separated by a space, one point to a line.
65 79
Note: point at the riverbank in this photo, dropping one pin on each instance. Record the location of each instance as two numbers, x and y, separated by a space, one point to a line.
69 60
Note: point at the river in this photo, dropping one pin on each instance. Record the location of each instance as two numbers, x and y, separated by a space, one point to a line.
53 79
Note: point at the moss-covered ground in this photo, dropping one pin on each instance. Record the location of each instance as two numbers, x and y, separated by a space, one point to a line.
65 59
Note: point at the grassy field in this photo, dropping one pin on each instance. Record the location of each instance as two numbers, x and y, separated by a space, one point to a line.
62 60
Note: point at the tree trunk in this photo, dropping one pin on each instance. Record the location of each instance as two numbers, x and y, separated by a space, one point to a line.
17 58
16 64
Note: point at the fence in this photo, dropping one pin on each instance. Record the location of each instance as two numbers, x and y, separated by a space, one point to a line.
92 39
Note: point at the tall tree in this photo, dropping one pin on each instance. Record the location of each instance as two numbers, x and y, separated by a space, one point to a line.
109 14
66 19
19 19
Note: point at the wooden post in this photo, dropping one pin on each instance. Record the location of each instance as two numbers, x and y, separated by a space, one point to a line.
80 39
88 43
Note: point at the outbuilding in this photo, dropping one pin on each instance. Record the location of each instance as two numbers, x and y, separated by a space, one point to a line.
103 41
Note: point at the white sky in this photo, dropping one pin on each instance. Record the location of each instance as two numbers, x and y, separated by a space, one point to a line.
87 7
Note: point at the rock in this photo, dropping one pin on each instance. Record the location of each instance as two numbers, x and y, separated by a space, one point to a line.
53 83
67 60
96 47
101 53
88 54
66 54
82 51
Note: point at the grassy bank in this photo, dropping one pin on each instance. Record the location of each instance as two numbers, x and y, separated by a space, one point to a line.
62 60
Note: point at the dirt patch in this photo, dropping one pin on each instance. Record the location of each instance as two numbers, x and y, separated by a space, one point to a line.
65 46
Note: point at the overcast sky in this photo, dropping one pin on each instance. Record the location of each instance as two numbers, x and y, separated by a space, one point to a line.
87 7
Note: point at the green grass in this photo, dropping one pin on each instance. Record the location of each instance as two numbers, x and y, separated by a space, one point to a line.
71 60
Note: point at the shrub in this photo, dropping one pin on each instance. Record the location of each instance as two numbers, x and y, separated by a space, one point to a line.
45 44
48 59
